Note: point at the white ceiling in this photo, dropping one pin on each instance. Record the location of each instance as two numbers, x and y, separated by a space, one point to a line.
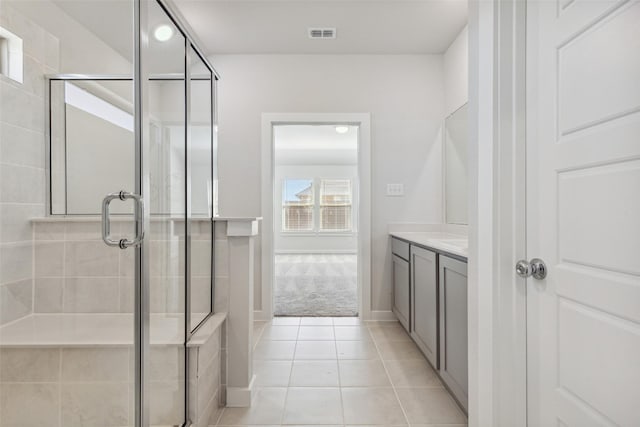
280 26
315 145
363 26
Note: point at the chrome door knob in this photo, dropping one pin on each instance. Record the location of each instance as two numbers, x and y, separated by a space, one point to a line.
536 268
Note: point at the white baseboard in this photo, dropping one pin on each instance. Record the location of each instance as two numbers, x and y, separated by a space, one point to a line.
261 315
319 251
240 397
383 315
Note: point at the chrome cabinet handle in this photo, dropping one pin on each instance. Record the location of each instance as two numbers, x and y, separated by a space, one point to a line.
138 216
536 268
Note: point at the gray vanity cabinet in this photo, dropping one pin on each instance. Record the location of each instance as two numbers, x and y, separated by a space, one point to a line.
401 283
453 327
424 295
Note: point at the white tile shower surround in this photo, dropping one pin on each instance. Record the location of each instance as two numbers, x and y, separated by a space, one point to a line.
339 371
316 285
64 400
75 272
22 161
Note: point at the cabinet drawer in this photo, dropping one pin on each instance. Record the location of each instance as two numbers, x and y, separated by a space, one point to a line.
400 248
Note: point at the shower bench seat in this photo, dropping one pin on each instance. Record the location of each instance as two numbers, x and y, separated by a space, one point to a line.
80 367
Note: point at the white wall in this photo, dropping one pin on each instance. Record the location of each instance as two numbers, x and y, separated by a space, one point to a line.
314 242
456 72
403 93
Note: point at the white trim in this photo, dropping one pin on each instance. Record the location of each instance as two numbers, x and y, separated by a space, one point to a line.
313 251
318 234
259 315
364 201
11 56
383 316
242 228
240 397
497 305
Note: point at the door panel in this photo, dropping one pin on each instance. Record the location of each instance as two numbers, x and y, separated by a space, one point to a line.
583 210
591 92
401 290
424 288
200 171
166 236
581 365
586 202
454 360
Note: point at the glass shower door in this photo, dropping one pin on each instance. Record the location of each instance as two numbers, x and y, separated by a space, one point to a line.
167 235
67 320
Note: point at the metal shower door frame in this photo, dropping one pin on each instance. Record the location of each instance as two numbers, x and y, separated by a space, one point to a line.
140 78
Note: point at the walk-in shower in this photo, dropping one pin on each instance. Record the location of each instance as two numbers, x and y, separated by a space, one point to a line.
111 272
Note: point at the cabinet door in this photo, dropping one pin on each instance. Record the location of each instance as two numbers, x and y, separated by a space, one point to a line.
453 327
424 294
401 295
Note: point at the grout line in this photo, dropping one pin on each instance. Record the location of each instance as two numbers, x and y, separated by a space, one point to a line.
60 355
33 269
286 393
335 345
393 387
64 269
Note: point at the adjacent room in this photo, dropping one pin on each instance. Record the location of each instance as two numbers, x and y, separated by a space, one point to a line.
316 220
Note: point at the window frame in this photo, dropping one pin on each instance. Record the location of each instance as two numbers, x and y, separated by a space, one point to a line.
283 229
320 206
316 205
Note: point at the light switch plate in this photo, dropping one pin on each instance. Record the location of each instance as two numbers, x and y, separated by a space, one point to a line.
395 190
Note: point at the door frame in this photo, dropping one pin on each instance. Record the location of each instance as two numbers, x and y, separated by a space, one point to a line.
362 120
497 213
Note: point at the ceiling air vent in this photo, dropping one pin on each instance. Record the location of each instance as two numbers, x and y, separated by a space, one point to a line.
322 33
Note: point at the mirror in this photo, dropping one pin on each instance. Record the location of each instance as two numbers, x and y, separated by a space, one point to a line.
456 136
90 120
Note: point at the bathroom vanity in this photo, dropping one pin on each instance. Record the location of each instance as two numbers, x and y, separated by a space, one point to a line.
430 301
430 269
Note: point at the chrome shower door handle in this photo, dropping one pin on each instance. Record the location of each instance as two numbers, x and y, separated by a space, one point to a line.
138 218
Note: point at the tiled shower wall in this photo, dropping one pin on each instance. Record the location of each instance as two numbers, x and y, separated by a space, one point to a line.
22 161
75 272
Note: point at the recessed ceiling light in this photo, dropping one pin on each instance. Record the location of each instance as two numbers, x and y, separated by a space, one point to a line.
342 129
163 32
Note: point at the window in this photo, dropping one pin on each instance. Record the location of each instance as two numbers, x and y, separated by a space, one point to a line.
335 205
332 207
297 205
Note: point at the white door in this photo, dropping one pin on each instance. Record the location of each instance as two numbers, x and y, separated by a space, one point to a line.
583 213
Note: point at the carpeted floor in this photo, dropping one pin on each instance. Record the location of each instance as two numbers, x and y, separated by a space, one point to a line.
316 285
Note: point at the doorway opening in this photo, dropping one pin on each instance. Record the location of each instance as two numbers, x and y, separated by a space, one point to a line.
315 220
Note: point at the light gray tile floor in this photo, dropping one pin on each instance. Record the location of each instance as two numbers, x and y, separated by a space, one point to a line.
370 374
